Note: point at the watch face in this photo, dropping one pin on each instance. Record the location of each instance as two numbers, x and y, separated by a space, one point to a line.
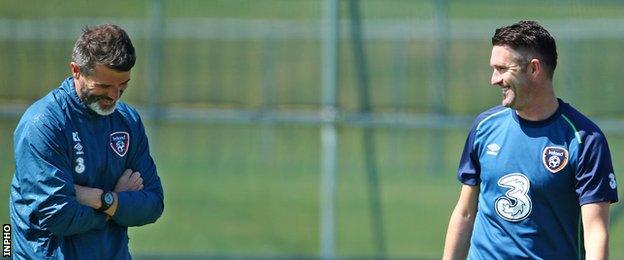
108 198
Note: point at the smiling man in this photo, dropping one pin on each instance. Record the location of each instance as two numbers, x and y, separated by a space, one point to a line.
537 174
83 171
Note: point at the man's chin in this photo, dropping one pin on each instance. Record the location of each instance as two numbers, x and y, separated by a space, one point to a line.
102 111
508 102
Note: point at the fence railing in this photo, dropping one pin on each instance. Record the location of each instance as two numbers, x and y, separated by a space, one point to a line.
237 29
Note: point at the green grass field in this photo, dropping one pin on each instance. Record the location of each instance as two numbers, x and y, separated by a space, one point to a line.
253 189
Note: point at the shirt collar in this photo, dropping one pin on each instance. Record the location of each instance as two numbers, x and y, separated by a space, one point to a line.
540 123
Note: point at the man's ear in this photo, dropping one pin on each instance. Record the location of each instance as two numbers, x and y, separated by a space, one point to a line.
535 67
75 70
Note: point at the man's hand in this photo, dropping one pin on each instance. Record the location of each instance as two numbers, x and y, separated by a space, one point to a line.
88 196
129 181
91 197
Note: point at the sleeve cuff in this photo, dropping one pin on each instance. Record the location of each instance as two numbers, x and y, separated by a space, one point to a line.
584 201
122 206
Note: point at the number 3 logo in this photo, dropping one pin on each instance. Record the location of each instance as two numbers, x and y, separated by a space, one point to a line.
80 167
516 204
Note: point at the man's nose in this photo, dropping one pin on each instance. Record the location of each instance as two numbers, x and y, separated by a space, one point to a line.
114 93
496 78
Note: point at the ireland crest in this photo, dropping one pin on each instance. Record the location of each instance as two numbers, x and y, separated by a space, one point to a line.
555 158
120 141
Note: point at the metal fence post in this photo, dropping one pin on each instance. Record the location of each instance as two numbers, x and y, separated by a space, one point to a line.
440 60
153 71
439 82
369 148
572 78
329 137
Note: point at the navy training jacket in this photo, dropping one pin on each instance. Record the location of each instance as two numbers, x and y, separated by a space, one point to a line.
60 142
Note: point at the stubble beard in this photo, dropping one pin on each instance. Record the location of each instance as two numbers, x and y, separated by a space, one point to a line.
508 97
93 103
95 106
510 92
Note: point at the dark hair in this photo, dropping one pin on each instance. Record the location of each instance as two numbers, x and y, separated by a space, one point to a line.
532 40
107 45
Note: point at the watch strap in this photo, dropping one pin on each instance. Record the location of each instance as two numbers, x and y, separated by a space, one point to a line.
105 205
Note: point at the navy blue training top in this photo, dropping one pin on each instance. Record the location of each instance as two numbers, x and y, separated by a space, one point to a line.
533 178
60 142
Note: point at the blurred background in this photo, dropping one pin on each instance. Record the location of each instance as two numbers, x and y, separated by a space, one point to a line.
310 128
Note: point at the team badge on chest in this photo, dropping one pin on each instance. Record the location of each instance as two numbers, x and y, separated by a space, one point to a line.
555 158
120 141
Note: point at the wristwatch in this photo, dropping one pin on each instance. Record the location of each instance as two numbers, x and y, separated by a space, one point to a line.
107 199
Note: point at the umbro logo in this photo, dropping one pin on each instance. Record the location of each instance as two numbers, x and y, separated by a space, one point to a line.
492 149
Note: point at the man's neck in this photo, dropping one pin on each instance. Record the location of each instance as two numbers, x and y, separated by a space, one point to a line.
77 87
541 107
